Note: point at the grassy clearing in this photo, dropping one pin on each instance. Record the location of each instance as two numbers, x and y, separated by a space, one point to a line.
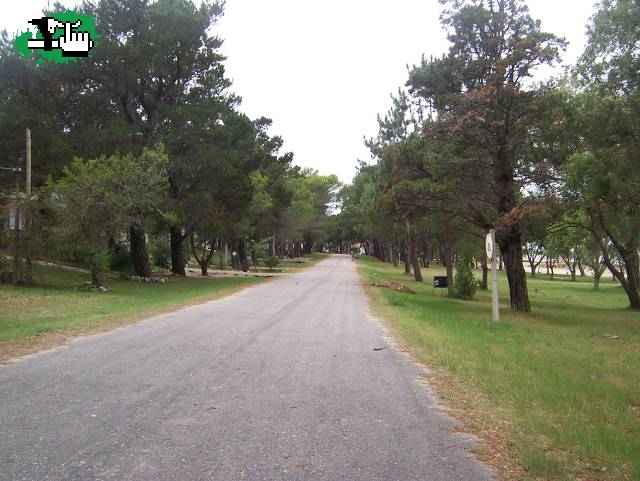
560 398
53 305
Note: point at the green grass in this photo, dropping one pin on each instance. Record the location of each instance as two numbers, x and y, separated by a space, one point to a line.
567 397
53 305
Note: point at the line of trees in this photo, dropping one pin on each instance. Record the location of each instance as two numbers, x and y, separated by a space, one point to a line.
144 141
474 142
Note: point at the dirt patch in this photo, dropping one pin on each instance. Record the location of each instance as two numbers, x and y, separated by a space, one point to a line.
470 408
396 286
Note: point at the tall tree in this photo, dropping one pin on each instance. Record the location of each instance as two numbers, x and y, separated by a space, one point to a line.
218 180
604 175
158 70
98 198
487 110
273 186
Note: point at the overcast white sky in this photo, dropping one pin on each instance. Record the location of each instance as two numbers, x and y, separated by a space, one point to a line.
323 70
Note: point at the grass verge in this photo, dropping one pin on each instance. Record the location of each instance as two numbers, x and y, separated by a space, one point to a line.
35 318
552 393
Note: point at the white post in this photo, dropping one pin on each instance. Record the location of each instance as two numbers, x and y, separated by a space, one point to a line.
491 239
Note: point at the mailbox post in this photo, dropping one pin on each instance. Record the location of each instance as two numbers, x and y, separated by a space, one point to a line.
490 244
440 282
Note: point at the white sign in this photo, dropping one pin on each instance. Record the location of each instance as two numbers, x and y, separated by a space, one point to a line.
489 246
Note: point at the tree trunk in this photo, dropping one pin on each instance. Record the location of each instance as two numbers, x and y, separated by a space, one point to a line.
96 278
428 253
415 262
634 293
205 258
448 256
242 255
632 286
509 236
139 253
596 279
532 265
581 268
308 245
510 243
571 265
377 249
484 284
177 257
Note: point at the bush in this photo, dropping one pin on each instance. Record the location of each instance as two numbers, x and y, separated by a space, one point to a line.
162 258
120 260
465 284
262 249
271 262
396 300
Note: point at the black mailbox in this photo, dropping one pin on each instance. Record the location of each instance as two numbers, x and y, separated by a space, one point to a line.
440 282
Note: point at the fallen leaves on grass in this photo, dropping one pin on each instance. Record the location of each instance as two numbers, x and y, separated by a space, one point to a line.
472 410
396 286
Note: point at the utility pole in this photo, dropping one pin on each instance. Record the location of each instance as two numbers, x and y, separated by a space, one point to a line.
28 176
16 220
27 218
28 179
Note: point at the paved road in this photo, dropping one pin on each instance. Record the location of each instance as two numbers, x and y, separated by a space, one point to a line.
279 382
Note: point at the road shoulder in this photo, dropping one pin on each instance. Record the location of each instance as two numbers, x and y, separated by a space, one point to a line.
450 398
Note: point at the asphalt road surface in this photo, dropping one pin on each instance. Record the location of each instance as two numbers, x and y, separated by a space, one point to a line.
278 382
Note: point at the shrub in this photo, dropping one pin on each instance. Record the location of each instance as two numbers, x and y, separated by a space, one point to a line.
396 300
162 258
465 284
271 262
262 249
120 260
